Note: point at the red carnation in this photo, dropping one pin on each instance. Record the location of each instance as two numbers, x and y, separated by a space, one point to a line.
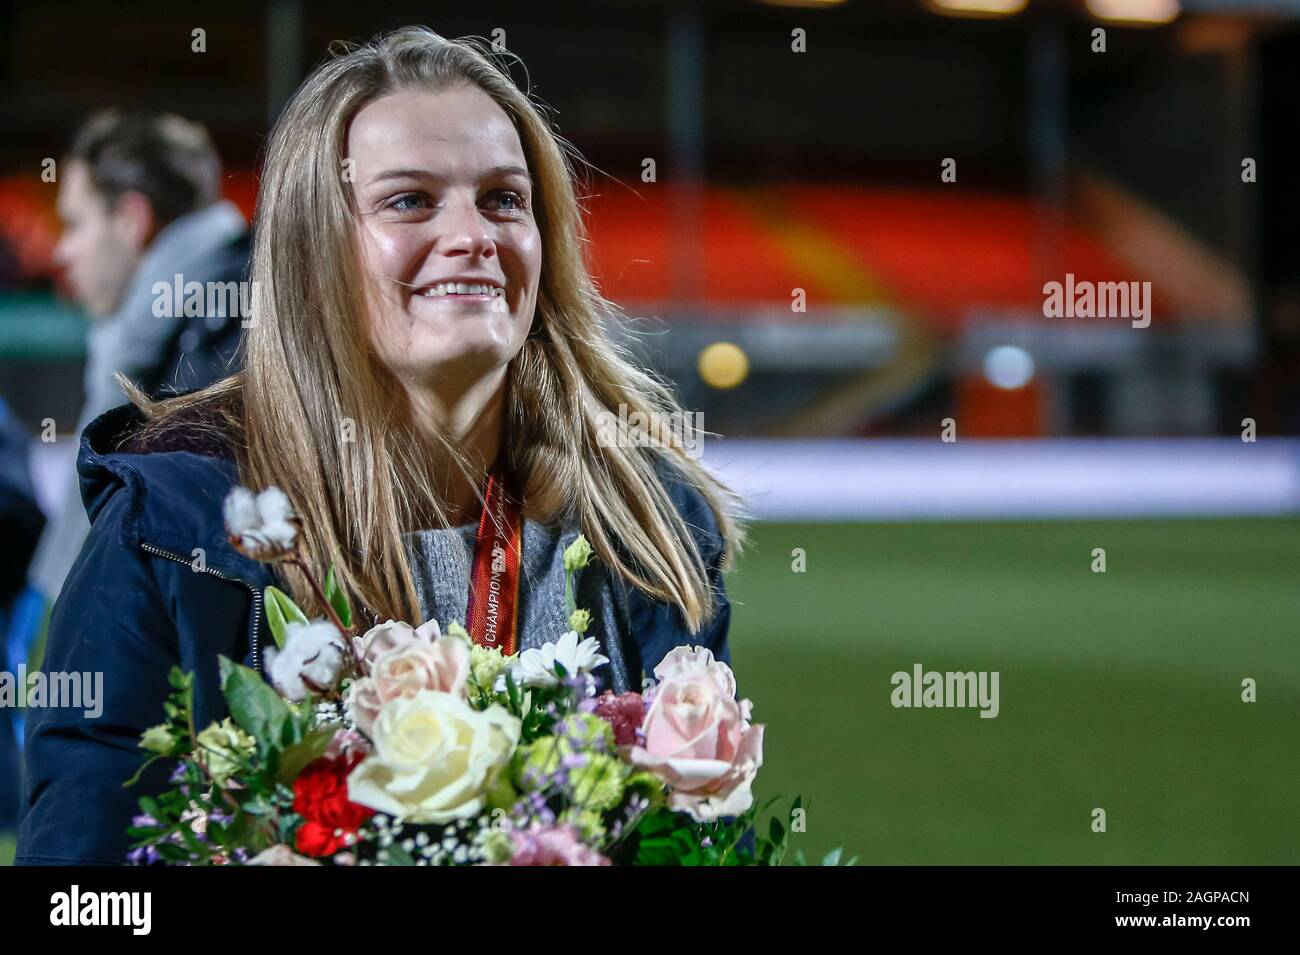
623 712
320 796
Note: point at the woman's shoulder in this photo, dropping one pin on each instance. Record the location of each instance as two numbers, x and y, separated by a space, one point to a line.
694 509
173 481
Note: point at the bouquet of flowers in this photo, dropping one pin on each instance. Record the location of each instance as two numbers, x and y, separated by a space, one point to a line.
403 745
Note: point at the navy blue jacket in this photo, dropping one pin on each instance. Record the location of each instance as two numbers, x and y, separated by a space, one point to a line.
134 605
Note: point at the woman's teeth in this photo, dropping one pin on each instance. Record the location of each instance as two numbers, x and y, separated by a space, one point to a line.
461 288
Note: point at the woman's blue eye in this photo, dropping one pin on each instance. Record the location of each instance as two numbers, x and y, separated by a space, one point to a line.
413 201
397 203
520 205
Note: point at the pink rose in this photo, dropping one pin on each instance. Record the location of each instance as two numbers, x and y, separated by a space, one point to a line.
406 669
347 743
697 659
280 855
384 637
698 738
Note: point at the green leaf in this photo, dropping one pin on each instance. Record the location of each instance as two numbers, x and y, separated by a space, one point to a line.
396 855
171 852
254 704
833 857
190 839
300 755
281 611
338 600
150 808
258 806
274 618
512 692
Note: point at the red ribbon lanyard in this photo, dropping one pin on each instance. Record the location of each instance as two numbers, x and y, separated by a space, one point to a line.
493 610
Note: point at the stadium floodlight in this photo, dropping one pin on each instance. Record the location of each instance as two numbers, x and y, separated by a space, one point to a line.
1134 11
976 8
802 3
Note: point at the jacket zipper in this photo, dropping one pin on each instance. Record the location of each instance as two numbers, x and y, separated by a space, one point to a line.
257 596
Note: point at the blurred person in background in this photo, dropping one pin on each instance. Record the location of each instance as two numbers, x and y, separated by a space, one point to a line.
21 521
140 202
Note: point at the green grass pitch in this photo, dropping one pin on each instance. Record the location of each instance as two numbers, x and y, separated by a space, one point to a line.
1119 690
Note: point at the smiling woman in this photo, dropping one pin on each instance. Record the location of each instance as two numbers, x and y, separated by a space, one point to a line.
425 337
444 202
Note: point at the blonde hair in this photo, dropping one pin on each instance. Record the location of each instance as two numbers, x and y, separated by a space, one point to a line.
310 366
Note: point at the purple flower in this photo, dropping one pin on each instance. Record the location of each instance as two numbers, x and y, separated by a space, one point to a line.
552 845
145 855
583 683
574 760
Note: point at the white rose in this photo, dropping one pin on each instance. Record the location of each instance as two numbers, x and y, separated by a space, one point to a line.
434 757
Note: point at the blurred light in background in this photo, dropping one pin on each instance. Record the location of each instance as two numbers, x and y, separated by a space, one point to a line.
1134 11
976 8
723 365
1008 367
801 3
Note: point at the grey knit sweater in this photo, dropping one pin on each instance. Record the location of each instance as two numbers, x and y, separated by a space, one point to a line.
440 560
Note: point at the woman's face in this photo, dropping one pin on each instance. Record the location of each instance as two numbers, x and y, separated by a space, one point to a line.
446 203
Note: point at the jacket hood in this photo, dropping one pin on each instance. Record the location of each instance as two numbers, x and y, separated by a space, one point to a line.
176 483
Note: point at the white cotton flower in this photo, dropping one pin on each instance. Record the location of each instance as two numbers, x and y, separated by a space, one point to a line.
536 666
311 660
262 526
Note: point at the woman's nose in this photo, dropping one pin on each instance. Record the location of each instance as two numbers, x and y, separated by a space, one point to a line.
462 230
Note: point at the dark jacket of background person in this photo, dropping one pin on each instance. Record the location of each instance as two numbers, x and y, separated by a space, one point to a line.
21 521
134 606
172 352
